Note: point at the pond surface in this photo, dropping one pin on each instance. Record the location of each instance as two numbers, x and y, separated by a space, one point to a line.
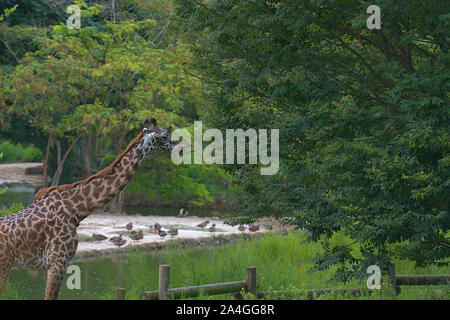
99 276
19 194
199 212
25 194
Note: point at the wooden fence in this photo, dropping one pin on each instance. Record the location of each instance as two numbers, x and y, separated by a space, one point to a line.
250 284
163 292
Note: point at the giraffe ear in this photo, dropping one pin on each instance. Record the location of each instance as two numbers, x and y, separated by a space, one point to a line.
153 124
151 121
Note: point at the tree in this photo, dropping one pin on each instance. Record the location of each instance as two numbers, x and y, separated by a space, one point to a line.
91 89
363 117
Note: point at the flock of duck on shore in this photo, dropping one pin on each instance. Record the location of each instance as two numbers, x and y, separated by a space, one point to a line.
157 228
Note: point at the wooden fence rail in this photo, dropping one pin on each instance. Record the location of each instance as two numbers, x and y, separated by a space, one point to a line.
163 292
195 291
420 280
250 284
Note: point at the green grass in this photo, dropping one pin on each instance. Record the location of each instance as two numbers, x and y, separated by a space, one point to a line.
278 268
9 293
84 236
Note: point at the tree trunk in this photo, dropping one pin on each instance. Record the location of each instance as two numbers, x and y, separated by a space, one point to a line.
58 152
117 143
87 159
115 205
58 172
47 152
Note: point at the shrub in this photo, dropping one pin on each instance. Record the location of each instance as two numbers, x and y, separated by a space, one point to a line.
33 154
14 207
17 152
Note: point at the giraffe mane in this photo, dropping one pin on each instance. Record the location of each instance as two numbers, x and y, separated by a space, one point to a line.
105 171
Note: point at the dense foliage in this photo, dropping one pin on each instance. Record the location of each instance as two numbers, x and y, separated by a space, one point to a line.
18 152
81 95
363 114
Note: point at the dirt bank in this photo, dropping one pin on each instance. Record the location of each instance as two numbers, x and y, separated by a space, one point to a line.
15 173
188 233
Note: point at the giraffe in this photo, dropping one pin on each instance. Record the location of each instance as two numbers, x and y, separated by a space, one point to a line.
43 235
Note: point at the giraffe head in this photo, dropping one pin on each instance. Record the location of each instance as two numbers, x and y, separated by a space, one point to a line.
156 138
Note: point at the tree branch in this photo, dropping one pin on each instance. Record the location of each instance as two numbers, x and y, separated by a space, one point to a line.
5 42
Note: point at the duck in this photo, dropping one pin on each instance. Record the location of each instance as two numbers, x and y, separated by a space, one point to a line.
156 227
253 228
116 238
119 242
137 235
129 226
183 213
203 224
162 233
212 229
98 237
268 226
241 228
173 232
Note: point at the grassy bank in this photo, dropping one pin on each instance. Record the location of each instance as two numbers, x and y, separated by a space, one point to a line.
280 266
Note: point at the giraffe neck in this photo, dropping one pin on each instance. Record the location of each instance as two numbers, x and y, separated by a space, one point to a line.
85 198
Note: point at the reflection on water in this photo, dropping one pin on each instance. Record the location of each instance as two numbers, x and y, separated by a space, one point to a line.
99 276
25 194
19 193
199 212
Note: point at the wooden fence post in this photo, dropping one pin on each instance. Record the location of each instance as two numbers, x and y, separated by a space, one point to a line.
119 294
393 279
250 278
164 279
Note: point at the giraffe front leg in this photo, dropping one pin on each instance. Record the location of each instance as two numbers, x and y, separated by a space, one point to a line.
55 275
5 267
6 262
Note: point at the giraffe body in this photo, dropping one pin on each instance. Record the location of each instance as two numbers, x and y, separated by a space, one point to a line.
41 236
44 234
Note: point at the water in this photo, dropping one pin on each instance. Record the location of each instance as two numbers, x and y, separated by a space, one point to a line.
99 276
19 193
199 212
25 194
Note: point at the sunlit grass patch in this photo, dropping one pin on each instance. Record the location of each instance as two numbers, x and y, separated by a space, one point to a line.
282 265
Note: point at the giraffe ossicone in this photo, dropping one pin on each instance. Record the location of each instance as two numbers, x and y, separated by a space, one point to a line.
43 235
